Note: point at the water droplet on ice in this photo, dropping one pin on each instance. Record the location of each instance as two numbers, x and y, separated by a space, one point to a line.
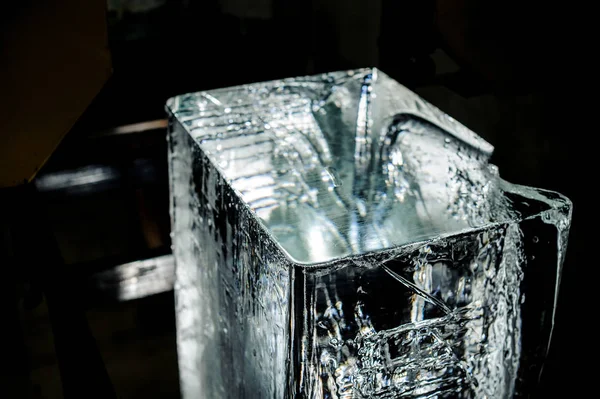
362 209
396 158
334 176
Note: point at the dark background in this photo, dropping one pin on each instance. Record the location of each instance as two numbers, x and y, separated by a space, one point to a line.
511 71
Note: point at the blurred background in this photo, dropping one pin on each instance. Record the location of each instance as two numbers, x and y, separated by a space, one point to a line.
507 70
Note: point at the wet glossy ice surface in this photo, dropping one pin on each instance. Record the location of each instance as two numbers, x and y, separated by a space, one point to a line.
337 237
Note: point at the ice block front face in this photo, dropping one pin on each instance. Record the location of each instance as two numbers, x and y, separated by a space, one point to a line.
337 236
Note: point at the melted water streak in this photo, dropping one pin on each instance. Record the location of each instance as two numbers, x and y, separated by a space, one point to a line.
418 290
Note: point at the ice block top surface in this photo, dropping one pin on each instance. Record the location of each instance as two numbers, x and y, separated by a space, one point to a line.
345 163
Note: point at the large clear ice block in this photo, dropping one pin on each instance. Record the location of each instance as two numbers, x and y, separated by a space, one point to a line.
336 236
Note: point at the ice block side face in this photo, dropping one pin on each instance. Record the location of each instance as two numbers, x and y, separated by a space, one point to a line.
465 316
336 236
232 285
